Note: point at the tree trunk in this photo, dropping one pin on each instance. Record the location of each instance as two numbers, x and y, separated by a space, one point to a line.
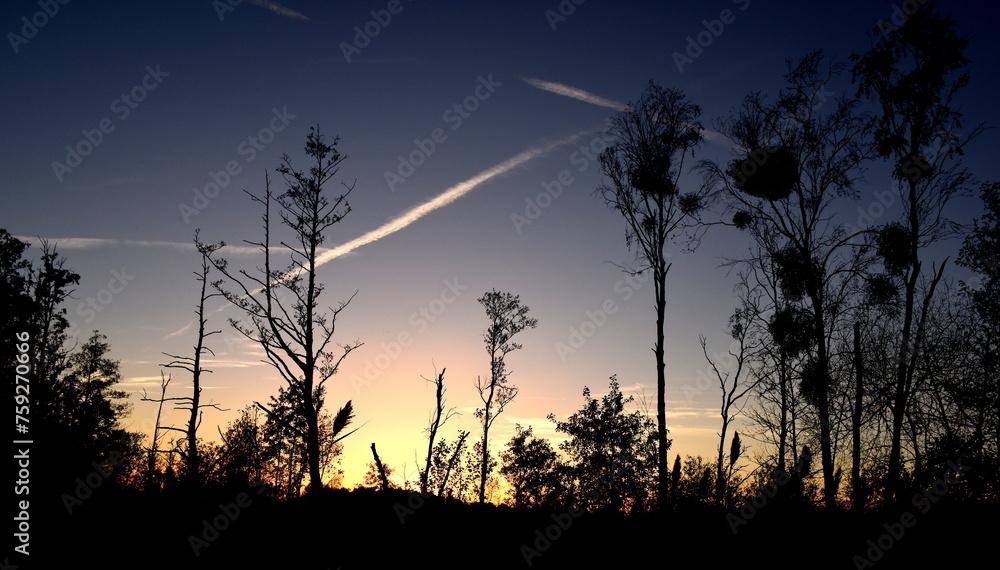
720 478
823 404
783 427
858 498
892 480
662 468
381 469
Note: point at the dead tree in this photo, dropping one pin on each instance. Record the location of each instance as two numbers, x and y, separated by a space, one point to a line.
438 419
294 334
154 446
193 364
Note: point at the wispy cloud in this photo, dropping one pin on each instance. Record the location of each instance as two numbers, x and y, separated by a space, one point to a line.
180 331
70 243
92 243
279 9
574 92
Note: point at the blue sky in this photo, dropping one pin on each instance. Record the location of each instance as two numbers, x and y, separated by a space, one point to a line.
234 88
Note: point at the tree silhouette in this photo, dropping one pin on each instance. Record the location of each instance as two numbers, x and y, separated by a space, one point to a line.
977 390
643 164
92 407
283 429
193 364
245 452
438 419
530 465
734 387
293 332
507 318
787 208
46 288
913 75
612 452
447 460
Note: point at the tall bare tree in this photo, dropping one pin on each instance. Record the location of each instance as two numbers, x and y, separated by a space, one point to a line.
507 318
294 333
439 416
913 75
643 165
193 364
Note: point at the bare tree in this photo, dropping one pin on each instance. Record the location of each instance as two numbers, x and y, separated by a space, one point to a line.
438 419
154 446
507 318
193 364
733 392
643 164
294 334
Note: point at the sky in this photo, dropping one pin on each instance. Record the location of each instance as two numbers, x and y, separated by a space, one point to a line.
471 131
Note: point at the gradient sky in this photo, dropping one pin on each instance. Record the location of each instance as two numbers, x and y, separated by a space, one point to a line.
536 88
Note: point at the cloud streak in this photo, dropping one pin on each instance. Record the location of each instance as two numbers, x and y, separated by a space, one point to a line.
573 92
279 9
93 243
593 99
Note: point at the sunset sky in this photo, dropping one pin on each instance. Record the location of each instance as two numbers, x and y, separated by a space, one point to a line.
471 130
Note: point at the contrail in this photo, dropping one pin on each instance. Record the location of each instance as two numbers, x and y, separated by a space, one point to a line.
278 9
588 97
574 92
443 199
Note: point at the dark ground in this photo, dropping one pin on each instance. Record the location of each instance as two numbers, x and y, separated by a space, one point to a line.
362 529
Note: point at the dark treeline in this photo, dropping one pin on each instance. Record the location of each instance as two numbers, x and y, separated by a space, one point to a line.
863 372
